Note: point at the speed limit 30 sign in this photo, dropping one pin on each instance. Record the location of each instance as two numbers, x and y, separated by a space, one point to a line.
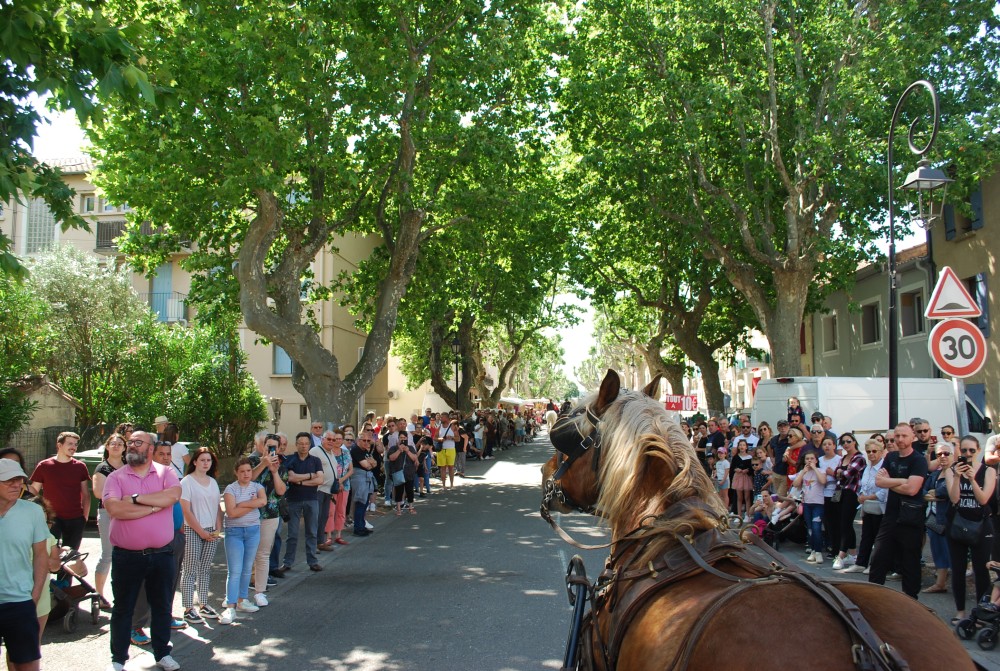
957 347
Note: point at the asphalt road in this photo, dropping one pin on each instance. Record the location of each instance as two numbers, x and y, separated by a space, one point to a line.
474 580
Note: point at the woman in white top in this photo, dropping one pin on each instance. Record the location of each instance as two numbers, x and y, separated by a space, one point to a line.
243 500
872 499
202 529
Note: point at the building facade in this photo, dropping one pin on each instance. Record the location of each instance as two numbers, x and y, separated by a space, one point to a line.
33 230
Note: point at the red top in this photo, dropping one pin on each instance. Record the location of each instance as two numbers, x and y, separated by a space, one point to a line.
61 485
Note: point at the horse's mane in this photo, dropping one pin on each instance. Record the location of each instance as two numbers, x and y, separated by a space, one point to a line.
647 464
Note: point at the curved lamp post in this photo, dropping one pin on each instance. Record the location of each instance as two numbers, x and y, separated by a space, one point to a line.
924 178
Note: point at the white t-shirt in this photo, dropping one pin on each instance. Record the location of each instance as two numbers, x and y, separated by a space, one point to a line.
721 466
204 500
329 467
447 437
831 481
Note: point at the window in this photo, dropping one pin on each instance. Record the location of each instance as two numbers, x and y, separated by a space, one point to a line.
830 333
41 231
977 289
107 207
911 312
303 411
88 203
871 324
281 363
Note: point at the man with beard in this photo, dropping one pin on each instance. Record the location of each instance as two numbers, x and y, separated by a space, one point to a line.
65 483
140 497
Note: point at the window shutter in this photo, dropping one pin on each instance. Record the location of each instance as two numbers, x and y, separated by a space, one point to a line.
949 222
983 300
976 202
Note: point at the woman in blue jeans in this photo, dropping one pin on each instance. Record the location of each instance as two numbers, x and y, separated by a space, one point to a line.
812 480
243 501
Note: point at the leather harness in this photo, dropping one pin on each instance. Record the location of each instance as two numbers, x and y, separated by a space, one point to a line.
624 590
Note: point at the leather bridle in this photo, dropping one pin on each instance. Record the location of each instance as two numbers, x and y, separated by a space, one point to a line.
572 442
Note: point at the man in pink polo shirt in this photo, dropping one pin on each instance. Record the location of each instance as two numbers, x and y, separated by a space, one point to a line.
139 497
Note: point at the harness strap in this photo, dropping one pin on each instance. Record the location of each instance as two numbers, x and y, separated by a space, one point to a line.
547 516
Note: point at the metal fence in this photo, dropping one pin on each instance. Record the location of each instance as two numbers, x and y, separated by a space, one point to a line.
38 444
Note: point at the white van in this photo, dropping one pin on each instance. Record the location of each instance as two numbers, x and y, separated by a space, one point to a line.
860 405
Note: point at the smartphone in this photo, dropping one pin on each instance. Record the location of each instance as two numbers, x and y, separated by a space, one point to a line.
272 450
962 460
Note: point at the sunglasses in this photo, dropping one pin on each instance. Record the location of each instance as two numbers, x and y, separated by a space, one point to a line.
923 430
816 431
871 451
847 441
944 454
967 450
947 433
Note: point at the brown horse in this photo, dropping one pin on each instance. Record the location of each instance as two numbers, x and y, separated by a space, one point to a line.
657 608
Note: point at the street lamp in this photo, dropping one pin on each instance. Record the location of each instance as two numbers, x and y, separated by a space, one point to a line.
456 349
924 178
276 410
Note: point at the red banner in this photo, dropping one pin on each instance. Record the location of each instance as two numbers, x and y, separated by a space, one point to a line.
681 403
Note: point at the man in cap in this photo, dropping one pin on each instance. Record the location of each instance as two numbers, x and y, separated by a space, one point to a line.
23 568
160 423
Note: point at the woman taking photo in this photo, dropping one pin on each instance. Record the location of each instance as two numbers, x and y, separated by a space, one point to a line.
971 530
113 460
811 481
243 500
849 471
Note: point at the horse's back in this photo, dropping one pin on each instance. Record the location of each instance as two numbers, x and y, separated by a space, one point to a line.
781 626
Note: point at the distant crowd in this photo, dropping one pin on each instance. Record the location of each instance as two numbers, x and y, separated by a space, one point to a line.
912 483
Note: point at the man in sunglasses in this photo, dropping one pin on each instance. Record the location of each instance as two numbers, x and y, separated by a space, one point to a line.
922 429
901 532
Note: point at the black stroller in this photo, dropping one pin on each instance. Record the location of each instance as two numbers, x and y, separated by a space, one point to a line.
69 589
791 528
984 614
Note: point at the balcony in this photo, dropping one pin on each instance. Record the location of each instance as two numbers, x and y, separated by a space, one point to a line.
169 306
108 231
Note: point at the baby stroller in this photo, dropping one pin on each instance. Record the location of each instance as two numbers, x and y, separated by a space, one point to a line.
69 589
791 528
984 614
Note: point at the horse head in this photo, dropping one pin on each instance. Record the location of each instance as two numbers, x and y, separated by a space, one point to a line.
621 456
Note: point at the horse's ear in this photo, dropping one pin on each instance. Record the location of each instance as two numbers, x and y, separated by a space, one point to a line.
610 387
653 388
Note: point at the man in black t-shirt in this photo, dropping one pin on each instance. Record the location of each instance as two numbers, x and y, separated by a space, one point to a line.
902 529
716 438
922 429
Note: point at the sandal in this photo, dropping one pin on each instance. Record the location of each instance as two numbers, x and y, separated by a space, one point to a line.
412 511
398 513
934 589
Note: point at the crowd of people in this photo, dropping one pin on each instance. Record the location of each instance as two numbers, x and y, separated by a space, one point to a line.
162 514
910 487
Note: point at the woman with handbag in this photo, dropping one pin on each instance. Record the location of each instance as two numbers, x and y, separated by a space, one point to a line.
938 513
971 529
401 467
849 471
872 499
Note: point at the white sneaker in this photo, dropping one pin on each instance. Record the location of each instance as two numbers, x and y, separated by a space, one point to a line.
115 666
818 557
838 564
372 508
850 560
168 663
228 616
855 568
867 569
246 606
894 576
261 600
811 558
368 525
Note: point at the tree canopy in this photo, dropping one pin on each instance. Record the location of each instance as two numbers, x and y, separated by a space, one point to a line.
759 127
293 124
66 53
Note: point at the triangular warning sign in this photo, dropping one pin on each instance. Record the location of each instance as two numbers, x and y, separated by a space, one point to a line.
951 298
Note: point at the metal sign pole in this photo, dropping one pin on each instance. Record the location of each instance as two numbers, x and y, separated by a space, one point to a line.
963 413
